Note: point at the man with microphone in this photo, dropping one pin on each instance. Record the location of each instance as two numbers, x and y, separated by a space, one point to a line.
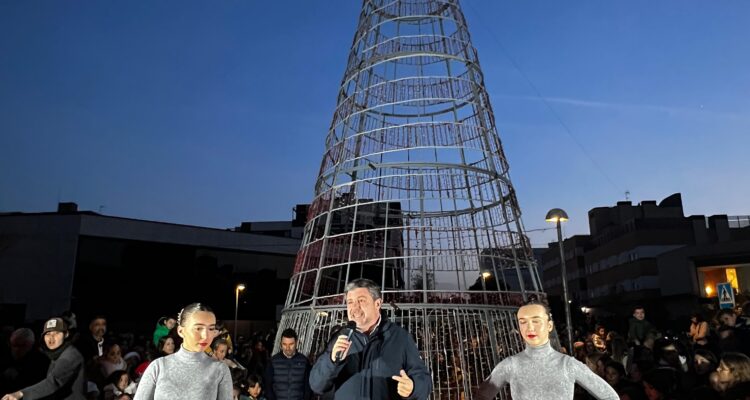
375 360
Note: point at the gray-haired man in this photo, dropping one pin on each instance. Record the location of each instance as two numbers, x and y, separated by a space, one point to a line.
381 361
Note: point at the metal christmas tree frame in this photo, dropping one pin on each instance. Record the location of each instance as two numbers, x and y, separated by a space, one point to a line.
414 193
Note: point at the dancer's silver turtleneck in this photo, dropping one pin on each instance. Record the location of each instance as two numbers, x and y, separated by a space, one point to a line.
544 373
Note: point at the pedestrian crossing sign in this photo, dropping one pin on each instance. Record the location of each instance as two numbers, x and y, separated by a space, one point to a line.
726 295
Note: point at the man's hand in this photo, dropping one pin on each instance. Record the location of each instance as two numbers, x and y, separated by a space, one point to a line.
13 396
342 345
405 384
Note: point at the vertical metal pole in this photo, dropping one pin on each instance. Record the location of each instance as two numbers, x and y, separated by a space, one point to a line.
565 288
236 306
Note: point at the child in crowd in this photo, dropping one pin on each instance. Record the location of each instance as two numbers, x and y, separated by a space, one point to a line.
119 383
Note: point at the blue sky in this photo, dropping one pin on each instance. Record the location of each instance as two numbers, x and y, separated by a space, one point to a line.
213 113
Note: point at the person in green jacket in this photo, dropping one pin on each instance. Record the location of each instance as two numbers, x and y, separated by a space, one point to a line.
163 327
638 327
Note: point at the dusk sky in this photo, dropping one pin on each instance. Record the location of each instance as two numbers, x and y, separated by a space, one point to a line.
214 113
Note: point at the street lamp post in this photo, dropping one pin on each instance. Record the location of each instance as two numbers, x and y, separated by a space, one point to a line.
240 287
557 216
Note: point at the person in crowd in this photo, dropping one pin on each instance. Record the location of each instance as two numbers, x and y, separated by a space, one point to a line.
704 362
667 355
597 362
163 327
541 372
71 321
288 372
226 336
635 372
620 352
164 347
734 375
616 377
259 359
638 326
132 359
360 368
188 374
222 333
589 346
661 384
65 376
599 338
739 326
716 384
728 340
112 360
119 383
220 349
698 332
645 351
254 388
91 343
24 365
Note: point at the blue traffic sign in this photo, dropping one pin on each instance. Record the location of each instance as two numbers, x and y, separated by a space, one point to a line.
725 294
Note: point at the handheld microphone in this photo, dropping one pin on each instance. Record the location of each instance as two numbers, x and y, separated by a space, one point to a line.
352 326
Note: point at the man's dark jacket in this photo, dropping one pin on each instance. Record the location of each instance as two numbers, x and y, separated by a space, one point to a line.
64 379
366 372
286 378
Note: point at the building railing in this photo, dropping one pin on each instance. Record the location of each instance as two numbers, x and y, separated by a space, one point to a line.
738 221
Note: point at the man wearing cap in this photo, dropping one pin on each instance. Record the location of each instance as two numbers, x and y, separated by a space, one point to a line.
65 378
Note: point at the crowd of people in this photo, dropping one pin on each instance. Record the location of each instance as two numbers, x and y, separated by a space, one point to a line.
66 362
708 360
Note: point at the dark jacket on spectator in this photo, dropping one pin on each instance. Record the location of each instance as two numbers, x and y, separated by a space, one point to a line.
288 378
64 381
366 372
26 371
637 329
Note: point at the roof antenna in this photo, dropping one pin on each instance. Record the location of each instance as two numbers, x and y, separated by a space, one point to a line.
627 195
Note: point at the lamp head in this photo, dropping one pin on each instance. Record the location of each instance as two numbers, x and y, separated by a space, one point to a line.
556 214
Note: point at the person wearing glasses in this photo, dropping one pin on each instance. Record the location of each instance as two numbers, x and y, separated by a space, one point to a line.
734 375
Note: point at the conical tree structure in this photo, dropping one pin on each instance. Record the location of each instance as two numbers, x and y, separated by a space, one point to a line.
414 193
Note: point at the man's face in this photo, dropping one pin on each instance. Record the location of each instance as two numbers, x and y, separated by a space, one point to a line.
534 324
98 328
53 340
362 308
639 314
728 319
170 323
288 346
